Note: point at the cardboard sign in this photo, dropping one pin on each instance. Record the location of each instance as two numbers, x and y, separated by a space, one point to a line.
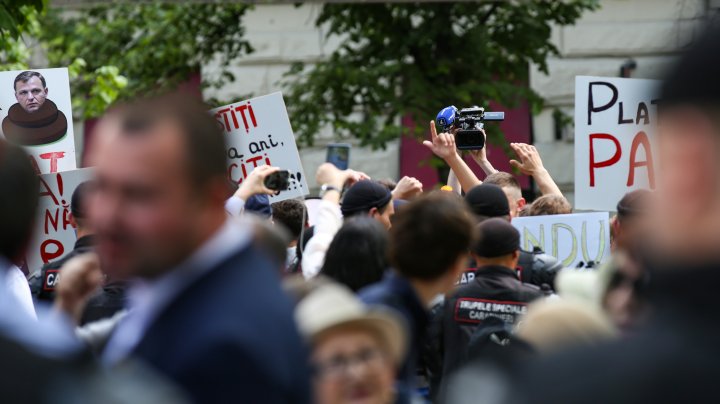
258 132
38 117
615 122
569 238
54 236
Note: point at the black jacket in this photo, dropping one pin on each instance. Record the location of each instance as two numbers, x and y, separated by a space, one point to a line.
42 282
495 292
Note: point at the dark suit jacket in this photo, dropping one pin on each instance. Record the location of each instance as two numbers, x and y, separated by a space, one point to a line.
231 337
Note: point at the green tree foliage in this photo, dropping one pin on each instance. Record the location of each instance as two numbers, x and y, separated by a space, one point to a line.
120 51
15 16
411 59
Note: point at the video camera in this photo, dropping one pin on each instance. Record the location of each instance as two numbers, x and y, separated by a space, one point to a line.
469 122
538 268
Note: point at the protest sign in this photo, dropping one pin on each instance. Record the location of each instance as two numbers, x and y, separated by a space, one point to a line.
36 113
258 132
569 238
615 122
54 236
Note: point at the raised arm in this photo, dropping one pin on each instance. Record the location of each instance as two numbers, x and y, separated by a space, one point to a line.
531 164
443 146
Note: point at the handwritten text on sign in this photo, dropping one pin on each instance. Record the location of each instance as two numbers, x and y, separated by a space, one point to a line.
258 132
569 238
54 236
615 121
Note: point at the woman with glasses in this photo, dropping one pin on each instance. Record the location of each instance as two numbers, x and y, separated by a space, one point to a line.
355 348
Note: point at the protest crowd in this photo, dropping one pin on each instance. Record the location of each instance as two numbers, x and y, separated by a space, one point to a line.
186 287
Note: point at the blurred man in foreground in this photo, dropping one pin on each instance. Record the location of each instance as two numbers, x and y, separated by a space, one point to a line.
206 307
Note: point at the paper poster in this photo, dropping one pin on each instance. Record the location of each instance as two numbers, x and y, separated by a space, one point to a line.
36 113
569 238
615 123
54 235
258 132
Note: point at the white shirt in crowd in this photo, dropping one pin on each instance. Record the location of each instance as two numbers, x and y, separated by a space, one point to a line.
18 290
328 221
49 333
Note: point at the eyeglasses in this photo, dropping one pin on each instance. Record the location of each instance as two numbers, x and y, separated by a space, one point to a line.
340 365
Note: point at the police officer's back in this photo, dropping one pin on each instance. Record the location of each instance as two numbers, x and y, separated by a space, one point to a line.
495 292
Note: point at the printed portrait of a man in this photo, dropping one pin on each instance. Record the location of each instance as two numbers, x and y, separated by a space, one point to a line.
34 119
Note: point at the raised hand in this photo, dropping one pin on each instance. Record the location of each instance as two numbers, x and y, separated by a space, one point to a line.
442 145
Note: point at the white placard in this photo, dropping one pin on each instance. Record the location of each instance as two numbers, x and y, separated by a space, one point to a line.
54 236
257 133
569 238
42 124
615 123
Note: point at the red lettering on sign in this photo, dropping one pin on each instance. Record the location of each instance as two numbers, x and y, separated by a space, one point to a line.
48 255
53 157
607 163
641 139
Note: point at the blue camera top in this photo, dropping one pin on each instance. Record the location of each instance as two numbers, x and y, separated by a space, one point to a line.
446 117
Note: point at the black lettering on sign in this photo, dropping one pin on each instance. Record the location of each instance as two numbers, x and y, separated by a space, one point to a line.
52 277
474 311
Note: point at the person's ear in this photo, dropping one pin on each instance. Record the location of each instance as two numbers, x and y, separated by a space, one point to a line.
521 203
73 222
614 227
516 254
373 212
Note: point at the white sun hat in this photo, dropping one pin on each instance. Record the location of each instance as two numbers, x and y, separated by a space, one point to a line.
332 306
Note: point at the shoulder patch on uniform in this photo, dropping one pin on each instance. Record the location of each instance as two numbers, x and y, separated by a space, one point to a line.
52 277
467 276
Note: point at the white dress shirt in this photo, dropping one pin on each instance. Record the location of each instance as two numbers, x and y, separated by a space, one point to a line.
148 298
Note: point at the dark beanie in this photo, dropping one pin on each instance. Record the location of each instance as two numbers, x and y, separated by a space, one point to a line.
77 207
694 79
260 205
496 237
364 196
488 200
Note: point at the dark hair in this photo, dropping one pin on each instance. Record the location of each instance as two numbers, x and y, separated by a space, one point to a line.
364 213
271 240
388 183
548 205
291 214
429 234
77 202
357 256
27 75
633 203
203 138
18 200
503 180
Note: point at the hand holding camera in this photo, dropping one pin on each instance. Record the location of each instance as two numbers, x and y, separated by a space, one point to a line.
468 123
255 183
